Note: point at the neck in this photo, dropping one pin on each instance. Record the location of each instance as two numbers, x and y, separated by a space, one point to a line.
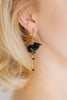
49 80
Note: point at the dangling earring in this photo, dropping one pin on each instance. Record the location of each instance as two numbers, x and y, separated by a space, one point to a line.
33 47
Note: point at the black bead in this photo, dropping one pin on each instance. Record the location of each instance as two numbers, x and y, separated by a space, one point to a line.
36 45
33 69
33 53
32 48
33 58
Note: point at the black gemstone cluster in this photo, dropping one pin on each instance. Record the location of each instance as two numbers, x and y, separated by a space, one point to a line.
32 48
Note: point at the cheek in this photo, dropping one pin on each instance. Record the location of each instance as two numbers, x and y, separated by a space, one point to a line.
58 20
53 16
53 24
53 19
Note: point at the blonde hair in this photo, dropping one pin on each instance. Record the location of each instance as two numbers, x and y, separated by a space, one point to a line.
15 62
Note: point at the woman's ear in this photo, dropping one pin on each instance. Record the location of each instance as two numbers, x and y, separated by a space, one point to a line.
29 21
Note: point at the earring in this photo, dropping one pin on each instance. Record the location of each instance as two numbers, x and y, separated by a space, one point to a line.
33 47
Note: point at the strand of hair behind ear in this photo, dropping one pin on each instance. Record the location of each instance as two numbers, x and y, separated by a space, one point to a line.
15 61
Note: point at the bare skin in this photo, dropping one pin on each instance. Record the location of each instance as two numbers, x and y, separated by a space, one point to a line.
49 80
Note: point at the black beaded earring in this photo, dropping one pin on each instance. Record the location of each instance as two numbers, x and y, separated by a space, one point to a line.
33 47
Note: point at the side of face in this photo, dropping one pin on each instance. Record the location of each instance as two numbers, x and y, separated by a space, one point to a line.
53 24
